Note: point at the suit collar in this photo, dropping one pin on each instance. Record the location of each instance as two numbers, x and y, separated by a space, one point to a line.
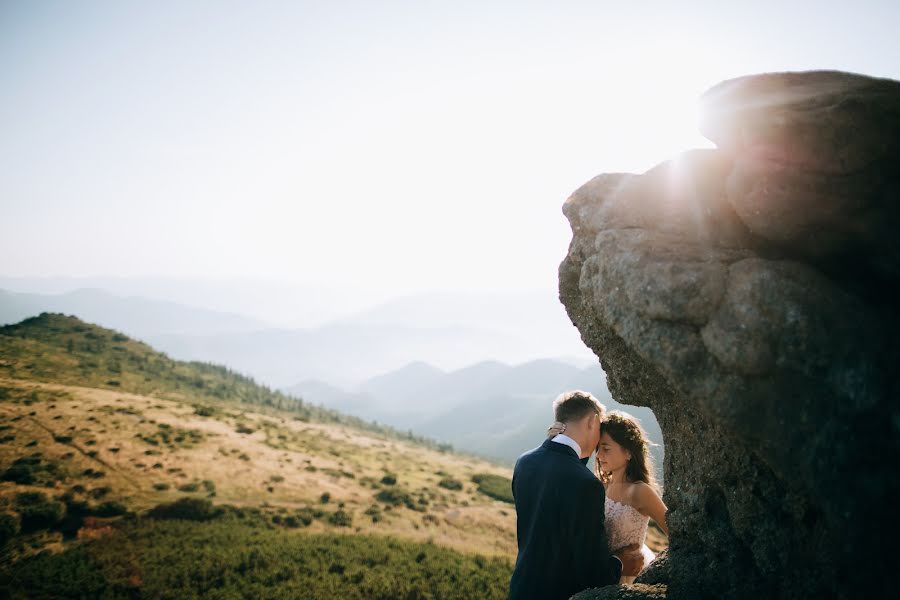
560 448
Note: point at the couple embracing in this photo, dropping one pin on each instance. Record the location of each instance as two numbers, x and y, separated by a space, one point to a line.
579 529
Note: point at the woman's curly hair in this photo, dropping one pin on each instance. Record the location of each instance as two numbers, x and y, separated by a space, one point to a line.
628 433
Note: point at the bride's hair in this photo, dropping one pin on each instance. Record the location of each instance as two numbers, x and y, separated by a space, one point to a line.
626 431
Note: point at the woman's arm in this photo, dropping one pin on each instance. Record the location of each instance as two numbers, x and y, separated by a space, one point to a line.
649 504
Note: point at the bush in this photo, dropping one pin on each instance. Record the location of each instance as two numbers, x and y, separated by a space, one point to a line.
325 498
389 479
110 508
30 470
341 519
374 511
205 411
42 515
395 497
188 509
450 483
99 492
495 486
161 487
24 499
306 515
188 487
9 527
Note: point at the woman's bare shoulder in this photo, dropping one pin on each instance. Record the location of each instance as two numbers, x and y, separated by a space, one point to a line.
640 490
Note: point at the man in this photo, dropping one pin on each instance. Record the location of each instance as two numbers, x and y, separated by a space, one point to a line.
560 510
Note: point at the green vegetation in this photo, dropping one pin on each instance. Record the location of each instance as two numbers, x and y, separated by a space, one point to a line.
398 497
188 509
173 437
240 558
449 483
9 527
34 470
340 518
495 486
37 511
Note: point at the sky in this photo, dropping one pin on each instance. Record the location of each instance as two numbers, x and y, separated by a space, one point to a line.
406 146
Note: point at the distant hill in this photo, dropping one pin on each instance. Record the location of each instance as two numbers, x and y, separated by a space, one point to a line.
489 408
343 354
136 316
63 349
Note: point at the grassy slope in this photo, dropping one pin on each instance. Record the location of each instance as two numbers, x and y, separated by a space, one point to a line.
120 422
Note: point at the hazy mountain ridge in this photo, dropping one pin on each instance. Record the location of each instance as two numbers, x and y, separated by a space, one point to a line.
136 316
450 330
489 408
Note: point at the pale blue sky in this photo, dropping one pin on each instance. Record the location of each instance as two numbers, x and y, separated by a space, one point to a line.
410 145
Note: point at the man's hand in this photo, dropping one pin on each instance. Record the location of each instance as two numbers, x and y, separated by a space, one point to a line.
632 559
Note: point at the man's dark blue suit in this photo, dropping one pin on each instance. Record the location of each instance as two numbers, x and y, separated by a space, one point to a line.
560 524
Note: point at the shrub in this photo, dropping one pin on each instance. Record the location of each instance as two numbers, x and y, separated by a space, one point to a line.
374 512
395 497
188 487
22 474
306 515
325 498
495 486
205 411
30 470
341 518
187 509
450 484
42 515
161 487
389 479
9 527
24 499
110 509
99 492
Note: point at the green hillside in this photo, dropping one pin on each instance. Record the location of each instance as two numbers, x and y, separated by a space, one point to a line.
63 349
125 474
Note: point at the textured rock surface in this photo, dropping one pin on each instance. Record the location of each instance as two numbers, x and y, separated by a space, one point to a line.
747 295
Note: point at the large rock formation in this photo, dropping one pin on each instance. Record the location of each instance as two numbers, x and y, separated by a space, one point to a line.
747 294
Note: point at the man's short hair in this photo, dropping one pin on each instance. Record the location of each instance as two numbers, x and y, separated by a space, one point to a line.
575 405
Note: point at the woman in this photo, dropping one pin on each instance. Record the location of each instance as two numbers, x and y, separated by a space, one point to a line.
623 465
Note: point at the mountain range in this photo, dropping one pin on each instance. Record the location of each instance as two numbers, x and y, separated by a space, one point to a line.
450 330
490 408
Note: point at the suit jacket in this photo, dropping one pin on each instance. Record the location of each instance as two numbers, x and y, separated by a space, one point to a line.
560 525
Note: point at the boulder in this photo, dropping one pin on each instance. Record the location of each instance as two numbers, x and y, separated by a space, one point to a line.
744 294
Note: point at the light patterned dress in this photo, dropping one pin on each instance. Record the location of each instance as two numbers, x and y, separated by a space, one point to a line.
626 529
